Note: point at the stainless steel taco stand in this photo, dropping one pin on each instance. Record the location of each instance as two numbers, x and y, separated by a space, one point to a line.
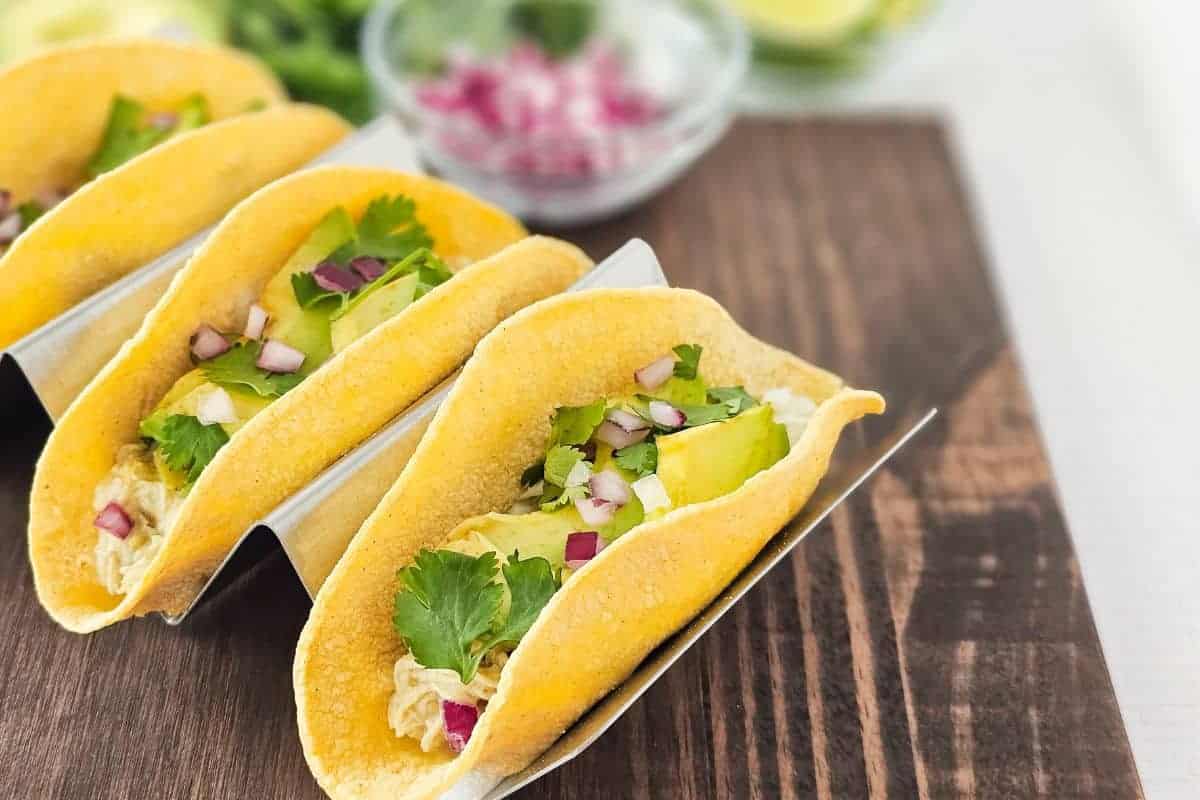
315 525
834 488
50 366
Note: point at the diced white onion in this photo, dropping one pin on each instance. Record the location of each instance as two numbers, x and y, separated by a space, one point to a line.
256 321
579 474
216 408
656 373
652 493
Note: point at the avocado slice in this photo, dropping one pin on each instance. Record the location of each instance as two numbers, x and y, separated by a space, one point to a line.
375 309
193 114
181 387
712 460
543 533
184 398
680 392
306 329
535 534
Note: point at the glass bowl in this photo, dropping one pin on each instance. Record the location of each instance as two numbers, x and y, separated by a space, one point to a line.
561 111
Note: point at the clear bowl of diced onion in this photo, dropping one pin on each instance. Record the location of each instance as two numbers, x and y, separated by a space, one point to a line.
561 111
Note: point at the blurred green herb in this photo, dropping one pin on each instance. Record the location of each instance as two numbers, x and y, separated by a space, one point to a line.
312 45
559 26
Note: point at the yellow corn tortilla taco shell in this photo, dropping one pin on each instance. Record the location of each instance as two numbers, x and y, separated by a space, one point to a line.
56 103
567 350
127 217
286 445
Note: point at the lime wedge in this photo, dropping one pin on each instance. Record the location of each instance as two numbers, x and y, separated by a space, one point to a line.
27 26
808 24
898 13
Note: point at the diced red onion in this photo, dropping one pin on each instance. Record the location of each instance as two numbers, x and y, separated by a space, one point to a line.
332 278
626 420
279 357
531 114
10 228
208 343
113 519
614 435
595 511
256 321
666 415
163 120
368 267
459 721
609 486
49 198
582 547
216 407
655 374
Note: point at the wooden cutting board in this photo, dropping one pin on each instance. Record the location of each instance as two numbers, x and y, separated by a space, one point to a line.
934 640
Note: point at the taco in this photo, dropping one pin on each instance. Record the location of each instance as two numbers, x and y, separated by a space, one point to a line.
606 464
320 307
113 152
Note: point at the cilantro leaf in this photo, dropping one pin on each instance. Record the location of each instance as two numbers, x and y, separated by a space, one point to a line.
531 584
555 497
128 132
187 445
236 367
703 415
389 230
447 600
124 136
431 274
309 294
735 398
194 113
417 261
641 458
575 424
689 360
29 211
560 461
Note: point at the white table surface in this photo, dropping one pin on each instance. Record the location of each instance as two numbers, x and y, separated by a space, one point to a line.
1078 126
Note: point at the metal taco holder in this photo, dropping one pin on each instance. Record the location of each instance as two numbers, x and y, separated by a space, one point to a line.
833 489
50 366
314 526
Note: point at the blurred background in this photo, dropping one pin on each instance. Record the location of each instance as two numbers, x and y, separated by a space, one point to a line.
1076 125
314 44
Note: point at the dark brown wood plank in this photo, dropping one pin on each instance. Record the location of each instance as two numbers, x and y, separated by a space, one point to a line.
933 640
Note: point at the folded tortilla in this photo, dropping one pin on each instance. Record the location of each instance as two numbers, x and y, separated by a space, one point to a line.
282 448
56 106
613 612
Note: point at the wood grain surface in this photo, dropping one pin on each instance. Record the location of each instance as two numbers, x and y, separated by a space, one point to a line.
933 640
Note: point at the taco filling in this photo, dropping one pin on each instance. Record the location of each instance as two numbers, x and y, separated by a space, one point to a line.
343 281
608 467
130 130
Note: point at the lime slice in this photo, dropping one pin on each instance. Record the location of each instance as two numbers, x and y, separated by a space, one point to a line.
27 26
807 23
898 13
